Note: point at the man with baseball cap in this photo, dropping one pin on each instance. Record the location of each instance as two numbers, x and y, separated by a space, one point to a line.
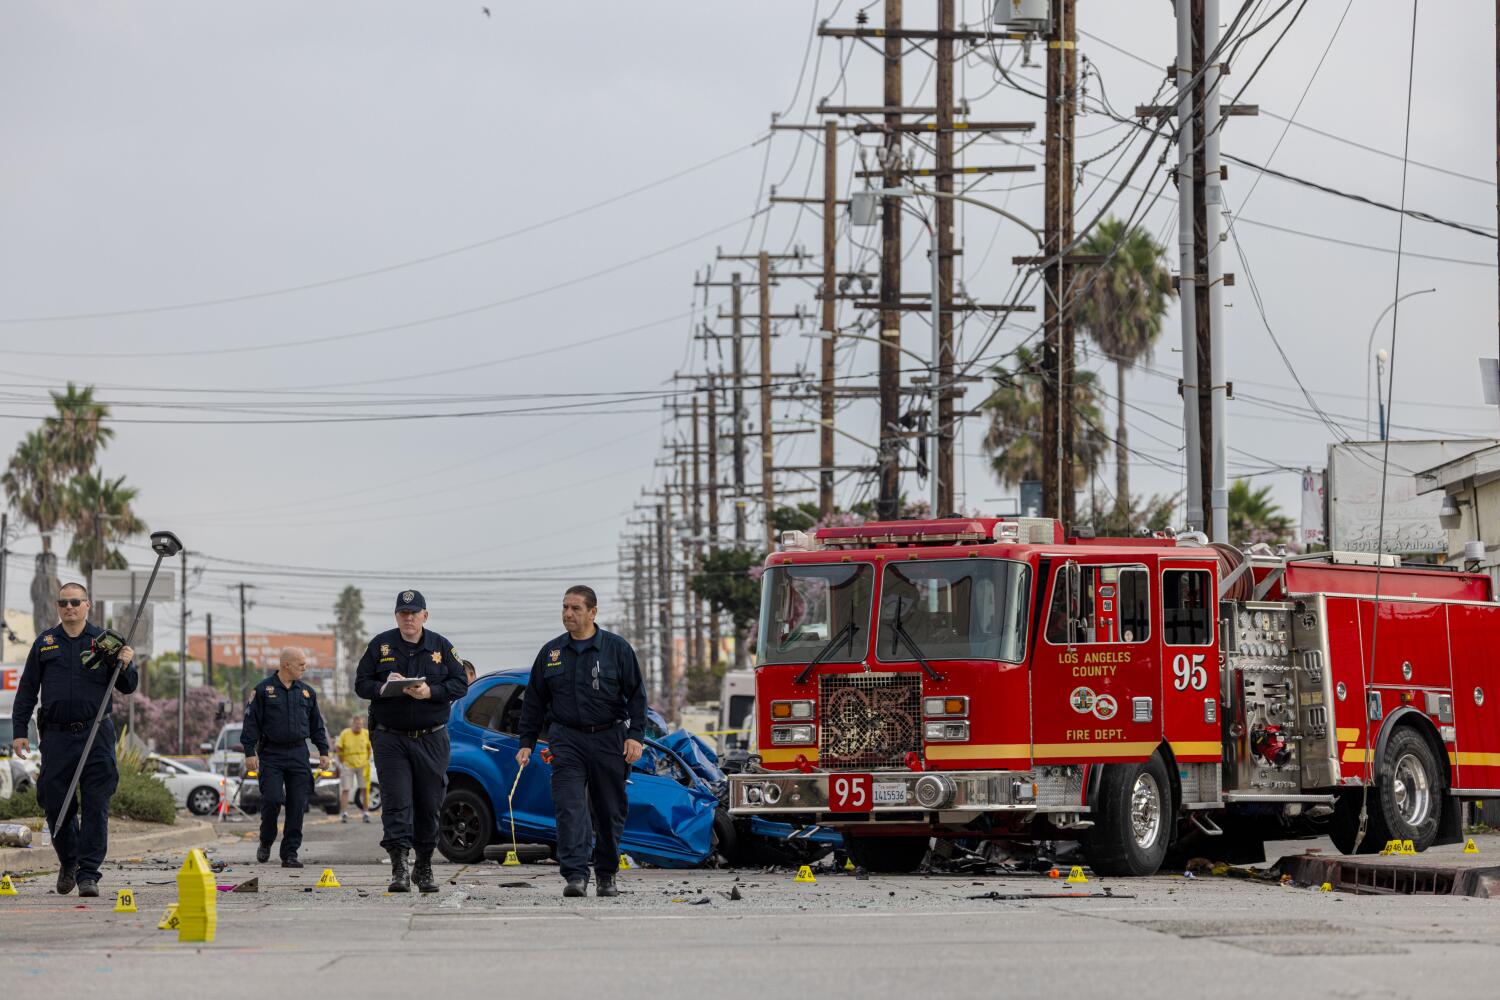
410 675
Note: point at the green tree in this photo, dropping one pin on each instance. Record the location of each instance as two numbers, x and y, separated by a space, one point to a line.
101 515
1254 517
1014 437
349 622
725 581
1123 312
1124 520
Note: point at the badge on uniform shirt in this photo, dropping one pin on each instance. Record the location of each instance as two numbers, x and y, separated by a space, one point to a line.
270 692
437 656
385 649
47 639
554 656
306 693
408 597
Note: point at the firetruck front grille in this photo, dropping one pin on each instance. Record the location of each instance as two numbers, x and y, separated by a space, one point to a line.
868 720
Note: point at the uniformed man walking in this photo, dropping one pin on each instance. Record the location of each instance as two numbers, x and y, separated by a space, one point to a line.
410 675
588 683
281 717
70 694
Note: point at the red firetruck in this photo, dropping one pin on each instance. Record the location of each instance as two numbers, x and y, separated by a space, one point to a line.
987 678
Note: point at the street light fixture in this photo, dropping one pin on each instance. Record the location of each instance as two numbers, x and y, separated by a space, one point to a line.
1370 346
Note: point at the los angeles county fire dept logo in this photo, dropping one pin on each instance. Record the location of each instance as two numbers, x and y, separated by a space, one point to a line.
385 649
408 597
554 655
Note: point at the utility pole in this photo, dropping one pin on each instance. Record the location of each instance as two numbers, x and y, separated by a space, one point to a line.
244 655
889 458
182 684
208 654
5 557
1057 352
664 601
738 374
830 316
712 433
695 548
767 442
944 391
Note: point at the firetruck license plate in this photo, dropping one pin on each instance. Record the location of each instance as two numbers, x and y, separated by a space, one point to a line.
889 793
849 793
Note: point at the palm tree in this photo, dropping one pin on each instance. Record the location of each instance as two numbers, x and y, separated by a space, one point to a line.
1014 438
1123 312
77 430
35 489
1254 517
101 515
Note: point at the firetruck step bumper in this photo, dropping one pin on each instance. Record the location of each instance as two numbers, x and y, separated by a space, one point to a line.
781 792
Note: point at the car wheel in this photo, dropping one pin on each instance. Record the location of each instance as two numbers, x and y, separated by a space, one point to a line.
727 851
203 800
374 805
1133 818
465 826
894 855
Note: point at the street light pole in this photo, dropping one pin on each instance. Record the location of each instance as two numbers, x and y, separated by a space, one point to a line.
1381 357
1370 346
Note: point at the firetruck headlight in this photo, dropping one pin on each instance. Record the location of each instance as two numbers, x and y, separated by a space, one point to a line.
752 795
781 710
950 707
792 735
945 732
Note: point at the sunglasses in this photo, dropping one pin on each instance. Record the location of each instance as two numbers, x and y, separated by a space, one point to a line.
70 602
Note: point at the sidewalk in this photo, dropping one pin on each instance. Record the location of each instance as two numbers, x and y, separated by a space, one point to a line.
127 838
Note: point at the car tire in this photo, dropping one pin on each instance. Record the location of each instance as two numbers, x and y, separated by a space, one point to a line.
374 806
891 855
466 824
1133 818
203 800
726 852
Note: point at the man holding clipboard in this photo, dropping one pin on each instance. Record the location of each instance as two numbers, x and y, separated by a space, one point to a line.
410 675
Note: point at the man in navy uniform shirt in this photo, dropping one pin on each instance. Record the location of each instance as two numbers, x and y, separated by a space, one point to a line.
281 717
70 694
411 676
587 684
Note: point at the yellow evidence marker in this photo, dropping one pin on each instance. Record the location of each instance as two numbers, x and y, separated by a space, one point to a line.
328 880
8 888
125 902
804 874
1391 847
1470 847
168 919
1326 887
1407 848
625 864
512 858
1076 875
197 899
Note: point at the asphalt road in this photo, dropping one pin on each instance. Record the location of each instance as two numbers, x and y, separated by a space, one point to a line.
508 931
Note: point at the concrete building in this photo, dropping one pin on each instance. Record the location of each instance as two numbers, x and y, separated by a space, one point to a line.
1470 511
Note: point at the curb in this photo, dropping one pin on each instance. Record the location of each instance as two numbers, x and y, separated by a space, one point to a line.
184 833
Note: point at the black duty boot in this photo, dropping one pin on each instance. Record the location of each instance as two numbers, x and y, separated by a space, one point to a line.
605 886
400 878
290 861
88 887
422 873
67 878
576 887
263 853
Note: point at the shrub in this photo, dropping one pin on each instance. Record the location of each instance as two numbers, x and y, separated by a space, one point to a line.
20 805
142 797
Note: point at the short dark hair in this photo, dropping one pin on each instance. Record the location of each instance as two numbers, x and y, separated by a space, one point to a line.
75 586
590 599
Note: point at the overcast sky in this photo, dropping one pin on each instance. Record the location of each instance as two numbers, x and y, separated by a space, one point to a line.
264 159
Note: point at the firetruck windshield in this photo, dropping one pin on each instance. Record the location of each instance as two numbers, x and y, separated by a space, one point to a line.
803 607
965 609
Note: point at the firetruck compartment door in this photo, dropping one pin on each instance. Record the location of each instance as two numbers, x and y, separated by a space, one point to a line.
1099 697
1472 631
1189 643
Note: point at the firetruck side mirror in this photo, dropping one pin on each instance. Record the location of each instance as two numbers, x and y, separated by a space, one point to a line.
1072 580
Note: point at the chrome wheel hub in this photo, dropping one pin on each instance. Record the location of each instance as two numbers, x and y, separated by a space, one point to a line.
1411 790
1145 812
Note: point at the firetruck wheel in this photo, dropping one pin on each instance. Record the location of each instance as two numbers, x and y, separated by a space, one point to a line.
892 855
1411 791
1133 817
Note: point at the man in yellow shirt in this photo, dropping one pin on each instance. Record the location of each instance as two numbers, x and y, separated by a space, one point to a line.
353 751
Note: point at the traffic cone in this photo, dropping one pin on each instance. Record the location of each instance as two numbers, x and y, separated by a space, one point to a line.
804 874
625 864
1407 848
1076 875
1470 847
168 918
511 858
8 888
328 880
125 902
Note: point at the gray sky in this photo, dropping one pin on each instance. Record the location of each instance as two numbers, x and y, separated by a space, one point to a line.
170 153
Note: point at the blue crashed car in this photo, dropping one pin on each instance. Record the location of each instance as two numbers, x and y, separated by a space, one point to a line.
673 810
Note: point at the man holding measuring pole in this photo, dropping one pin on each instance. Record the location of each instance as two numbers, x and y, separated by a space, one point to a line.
71 678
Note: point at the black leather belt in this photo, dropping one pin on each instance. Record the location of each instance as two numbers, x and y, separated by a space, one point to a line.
408 733
65 727
591 729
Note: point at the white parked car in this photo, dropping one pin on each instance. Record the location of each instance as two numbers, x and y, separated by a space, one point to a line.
195 789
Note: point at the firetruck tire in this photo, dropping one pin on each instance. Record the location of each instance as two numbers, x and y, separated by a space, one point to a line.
1411 789
891 855
1133 819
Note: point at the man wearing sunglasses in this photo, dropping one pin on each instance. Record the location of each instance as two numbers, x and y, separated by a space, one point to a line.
587 684
70 693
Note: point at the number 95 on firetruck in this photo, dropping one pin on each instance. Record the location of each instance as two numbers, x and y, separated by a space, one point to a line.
988 678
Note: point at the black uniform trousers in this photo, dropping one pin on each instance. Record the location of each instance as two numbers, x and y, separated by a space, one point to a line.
82 837
285 780
588 793
413 777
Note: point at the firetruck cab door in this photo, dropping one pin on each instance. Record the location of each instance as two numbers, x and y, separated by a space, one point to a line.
1187 594
1096 678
